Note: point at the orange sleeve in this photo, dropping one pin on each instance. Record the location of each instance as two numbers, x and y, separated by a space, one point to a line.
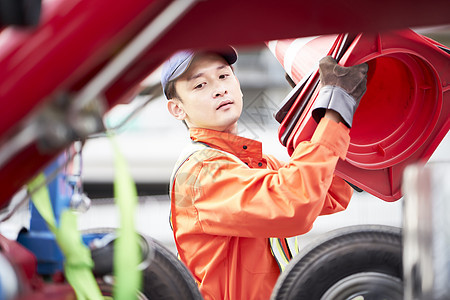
231 199
338 195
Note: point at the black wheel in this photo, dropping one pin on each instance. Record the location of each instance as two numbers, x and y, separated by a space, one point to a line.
164 276
353 263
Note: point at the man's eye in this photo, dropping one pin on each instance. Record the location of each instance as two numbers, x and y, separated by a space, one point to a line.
223 76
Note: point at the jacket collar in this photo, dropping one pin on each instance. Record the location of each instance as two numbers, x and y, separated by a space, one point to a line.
245 149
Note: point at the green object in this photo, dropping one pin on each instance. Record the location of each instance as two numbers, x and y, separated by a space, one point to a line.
78 262
127 254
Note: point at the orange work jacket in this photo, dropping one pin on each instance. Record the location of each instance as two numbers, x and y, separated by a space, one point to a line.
226 204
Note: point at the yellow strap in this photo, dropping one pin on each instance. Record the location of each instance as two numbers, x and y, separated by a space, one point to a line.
127 253
78 262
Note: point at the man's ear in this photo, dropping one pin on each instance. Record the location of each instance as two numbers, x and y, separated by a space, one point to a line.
175 108
238 82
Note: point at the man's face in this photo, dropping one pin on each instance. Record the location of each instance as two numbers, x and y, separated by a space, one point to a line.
210 94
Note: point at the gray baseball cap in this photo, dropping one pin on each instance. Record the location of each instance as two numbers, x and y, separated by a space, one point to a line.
178 63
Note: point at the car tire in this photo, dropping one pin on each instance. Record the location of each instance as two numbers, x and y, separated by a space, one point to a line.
164 275
357 262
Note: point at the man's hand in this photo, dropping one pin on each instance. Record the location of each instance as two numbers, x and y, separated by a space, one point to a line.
341 90
351 79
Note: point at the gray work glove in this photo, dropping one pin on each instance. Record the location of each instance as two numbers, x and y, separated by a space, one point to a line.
352 79
342 88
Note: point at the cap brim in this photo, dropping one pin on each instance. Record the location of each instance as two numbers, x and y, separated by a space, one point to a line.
228 53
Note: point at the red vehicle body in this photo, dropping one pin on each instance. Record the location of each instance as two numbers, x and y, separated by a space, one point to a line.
84 57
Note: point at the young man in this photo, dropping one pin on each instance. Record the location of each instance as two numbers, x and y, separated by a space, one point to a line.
227 197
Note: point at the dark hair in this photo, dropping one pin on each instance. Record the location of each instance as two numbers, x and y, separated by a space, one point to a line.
171 92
